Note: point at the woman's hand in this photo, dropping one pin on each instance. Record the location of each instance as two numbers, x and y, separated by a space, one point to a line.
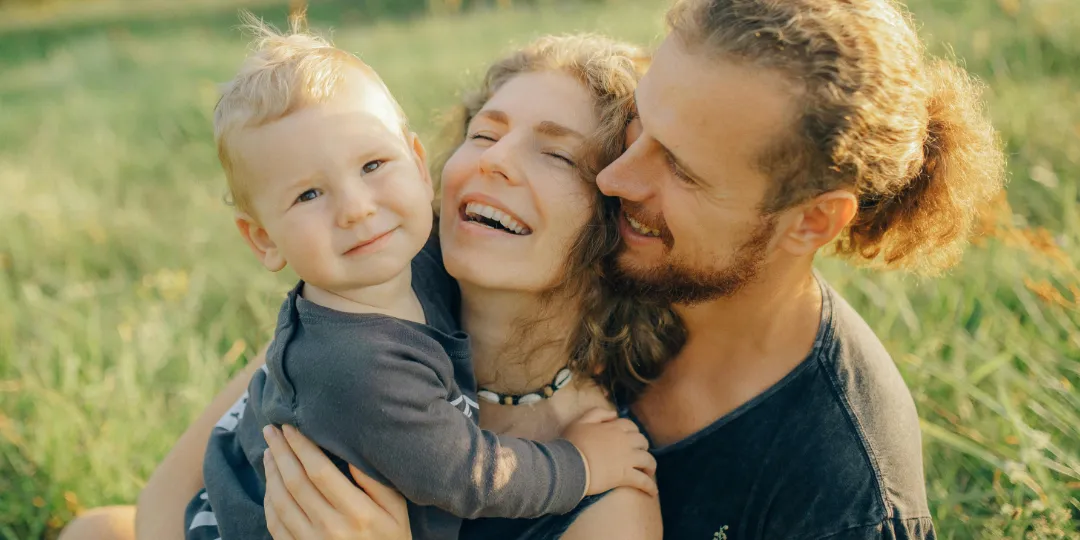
307 497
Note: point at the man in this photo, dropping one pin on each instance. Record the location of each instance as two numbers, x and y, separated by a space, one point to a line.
766 131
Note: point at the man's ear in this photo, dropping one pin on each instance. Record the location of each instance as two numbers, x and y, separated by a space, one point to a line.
818 222
420 154
259 241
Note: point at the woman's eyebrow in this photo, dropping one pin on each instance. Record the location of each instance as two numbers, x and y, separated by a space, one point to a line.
554 129
494 116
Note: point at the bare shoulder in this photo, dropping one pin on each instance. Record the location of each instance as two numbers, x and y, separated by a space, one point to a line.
624 513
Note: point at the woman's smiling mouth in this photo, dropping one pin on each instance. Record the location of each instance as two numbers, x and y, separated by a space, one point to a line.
488 216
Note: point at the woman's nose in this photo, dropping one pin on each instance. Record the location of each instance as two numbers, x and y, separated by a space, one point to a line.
498 160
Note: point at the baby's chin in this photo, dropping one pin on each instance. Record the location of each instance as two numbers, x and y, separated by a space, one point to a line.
349 285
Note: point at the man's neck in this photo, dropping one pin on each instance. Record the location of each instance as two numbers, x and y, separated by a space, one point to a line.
761 317
504 358
393 297
737 347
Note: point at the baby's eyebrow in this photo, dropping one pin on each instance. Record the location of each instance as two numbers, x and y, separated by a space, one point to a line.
299 182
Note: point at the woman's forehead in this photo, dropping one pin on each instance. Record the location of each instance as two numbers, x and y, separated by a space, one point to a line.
548 96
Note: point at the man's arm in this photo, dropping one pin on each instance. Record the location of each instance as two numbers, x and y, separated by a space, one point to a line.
160 510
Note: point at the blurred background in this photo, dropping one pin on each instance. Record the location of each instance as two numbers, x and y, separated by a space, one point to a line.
127 299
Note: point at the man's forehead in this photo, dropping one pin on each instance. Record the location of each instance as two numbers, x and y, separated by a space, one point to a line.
690 97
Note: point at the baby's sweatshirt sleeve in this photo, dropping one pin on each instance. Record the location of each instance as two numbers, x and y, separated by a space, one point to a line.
386 402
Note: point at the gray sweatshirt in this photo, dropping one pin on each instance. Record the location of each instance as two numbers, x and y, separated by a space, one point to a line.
397 400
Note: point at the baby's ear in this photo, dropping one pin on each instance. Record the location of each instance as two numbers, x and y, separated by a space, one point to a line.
417 148
421 156
260 242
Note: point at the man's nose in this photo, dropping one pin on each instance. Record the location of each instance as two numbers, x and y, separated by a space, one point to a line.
630 176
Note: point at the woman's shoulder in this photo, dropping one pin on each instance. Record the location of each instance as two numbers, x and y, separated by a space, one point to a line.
548 527
623 513
620 513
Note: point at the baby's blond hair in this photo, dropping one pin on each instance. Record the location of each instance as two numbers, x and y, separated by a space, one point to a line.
285 73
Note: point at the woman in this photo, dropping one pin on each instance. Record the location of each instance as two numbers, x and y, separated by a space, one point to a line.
528 142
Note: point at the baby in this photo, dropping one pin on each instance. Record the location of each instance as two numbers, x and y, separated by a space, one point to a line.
368 359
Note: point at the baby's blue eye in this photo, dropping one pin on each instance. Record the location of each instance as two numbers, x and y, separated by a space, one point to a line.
372 166
307 195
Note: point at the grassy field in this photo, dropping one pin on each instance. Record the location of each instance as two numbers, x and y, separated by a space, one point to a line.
127 299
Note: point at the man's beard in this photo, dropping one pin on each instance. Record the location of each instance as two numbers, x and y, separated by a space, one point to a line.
674 281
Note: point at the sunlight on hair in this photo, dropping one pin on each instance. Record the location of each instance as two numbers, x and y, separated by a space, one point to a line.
908 134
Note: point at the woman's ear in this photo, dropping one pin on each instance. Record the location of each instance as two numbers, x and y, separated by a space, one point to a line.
260 242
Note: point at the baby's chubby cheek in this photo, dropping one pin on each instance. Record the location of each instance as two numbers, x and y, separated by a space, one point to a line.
306 251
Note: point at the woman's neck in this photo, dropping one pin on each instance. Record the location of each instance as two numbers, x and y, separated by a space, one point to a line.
507 359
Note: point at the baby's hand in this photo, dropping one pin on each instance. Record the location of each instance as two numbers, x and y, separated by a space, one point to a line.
616 453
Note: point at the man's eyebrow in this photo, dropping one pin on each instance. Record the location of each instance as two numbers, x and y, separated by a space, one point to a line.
554 129
494 115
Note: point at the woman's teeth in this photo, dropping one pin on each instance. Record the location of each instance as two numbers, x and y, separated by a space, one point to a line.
488 216
641 229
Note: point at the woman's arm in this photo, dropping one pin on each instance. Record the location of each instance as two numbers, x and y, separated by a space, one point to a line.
160 510
624 513
307 497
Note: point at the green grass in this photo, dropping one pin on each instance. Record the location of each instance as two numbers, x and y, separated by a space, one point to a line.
128 299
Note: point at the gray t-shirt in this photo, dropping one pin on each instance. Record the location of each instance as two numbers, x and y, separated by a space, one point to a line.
397 400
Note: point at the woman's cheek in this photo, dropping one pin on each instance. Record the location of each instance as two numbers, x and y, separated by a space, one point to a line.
568 204
458 168
573 204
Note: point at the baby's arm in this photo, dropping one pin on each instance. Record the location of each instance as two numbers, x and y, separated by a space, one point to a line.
383 405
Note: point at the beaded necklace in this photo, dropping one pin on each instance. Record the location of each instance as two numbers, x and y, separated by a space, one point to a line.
560 380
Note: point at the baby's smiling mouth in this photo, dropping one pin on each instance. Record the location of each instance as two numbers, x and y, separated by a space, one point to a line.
493 218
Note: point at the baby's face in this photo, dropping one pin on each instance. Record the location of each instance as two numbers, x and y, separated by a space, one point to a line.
342 193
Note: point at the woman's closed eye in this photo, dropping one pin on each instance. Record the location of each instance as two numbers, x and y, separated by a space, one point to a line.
562 157
482 136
